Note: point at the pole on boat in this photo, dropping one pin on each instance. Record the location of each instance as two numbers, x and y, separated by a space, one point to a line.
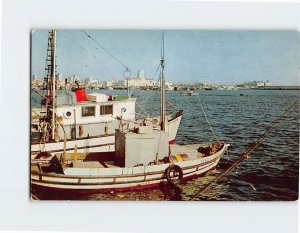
127 87
275 124
65 149
162 86
127 75
53 86
75 156
60 121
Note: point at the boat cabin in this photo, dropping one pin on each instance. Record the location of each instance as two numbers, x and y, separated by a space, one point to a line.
91 115
98 108
97 114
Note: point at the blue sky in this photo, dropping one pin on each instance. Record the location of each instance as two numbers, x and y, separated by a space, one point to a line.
220 57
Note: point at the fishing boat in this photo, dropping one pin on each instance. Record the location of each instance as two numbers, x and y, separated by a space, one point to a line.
208 88
90 120
143 158
190 93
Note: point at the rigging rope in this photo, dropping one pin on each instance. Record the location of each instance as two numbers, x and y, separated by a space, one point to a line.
116 59
34 197
102 63
40 94
275 124
145 100
207 119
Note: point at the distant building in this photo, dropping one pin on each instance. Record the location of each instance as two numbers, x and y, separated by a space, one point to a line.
108 84
59 77
72 78
88 80
260 84
151 82
263 84
120 83
34 77
267 84
140 74
133 82
94 81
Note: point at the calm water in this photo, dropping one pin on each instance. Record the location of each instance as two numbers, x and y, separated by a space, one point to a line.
271 172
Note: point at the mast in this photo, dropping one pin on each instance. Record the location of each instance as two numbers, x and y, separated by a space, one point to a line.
49 79
53 81
126 75
128 88
162 87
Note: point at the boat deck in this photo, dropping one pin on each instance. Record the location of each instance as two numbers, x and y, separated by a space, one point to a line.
106 160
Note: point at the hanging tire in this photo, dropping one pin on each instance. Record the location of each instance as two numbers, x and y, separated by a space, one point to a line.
174 174
43 154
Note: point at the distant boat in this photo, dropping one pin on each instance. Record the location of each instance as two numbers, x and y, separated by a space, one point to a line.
169 88
189 93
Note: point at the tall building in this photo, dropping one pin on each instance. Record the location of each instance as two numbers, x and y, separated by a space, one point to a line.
108 83
88 80
59 77
72 78
140 74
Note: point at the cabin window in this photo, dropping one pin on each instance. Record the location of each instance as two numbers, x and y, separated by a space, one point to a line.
106 109
88 111
68 113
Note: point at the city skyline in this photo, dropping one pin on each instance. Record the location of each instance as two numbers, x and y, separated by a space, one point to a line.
224 57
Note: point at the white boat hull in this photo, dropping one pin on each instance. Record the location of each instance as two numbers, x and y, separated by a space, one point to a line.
101 143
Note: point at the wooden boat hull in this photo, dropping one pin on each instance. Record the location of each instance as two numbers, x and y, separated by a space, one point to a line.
128 178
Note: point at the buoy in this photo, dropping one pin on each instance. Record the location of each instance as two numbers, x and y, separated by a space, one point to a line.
43 154
179 158
174 174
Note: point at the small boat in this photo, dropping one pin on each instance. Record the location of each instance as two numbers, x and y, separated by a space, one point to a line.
190 93
138 166
143 158
208 87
